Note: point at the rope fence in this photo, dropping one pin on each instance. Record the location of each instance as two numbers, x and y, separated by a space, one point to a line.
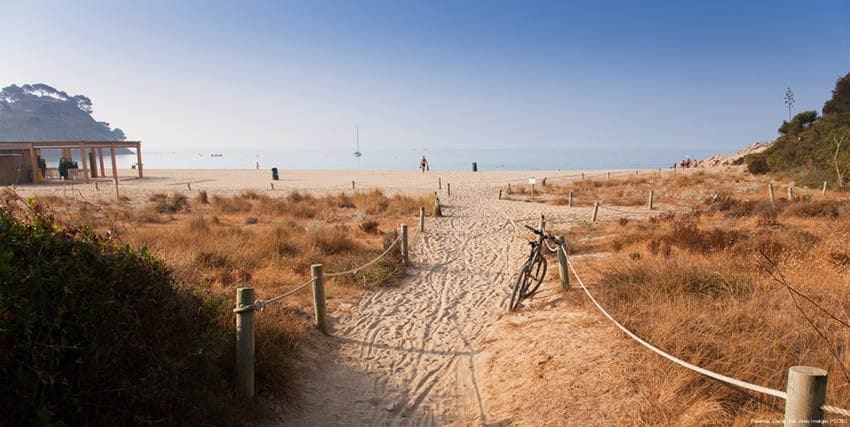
805 395
806 389
247 305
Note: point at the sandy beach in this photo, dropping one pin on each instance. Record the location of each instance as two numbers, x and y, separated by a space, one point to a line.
230 181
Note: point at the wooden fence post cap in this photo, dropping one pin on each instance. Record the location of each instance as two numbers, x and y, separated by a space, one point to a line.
313 266
808 370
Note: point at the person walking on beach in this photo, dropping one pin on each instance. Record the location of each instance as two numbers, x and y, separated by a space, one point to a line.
423 164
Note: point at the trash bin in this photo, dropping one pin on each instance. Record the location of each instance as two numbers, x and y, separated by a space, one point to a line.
475 166
275 177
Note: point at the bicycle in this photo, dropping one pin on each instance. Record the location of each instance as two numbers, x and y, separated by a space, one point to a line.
533 271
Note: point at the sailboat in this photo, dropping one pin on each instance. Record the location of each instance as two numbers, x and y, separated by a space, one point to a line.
357 152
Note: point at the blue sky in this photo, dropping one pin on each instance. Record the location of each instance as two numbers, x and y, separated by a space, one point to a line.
192 75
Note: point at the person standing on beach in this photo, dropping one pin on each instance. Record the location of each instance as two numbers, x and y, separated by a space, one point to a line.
423 164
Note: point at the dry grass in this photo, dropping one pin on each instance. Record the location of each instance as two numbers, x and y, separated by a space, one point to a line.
702 286
260 241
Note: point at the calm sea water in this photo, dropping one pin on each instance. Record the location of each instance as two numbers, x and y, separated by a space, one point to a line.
408 159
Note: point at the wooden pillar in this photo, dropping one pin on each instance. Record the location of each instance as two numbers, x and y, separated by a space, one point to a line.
34 165
100 157
563 268
806 394
245 343
421 219
114 169
319 297
405 256
770 192
570 199
595 211
651 197
139 159
91 152
84 158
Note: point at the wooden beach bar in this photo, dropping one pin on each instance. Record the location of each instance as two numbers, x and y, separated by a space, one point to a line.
21 161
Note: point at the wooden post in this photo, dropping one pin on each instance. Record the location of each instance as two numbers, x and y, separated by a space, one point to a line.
139 159
319 297
570 199
790 193
532 190
500 194
245 343
90 152
96 187
404 254
84 158
542 222
770 191
448 189
114 169
609 175
421 219
100 157
651 196
509 188
272 184
563 268
544 181
34 165
595 211
189 186
823 192
582 176
352 185
806 394
440 183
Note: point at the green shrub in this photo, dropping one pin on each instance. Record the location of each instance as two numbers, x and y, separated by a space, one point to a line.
95 333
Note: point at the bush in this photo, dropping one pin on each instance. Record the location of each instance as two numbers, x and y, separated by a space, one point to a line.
94 333
757 164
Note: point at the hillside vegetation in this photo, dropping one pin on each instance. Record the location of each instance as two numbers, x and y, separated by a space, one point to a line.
39 112
812 148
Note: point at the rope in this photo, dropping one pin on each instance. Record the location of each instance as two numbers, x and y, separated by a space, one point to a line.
357 269
674 359
259 304
835 410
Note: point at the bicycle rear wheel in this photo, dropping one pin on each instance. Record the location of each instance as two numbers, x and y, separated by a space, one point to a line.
520 286
536 274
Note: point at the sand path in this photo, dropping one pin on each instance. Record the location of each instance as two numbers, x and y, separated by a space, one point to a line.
405 355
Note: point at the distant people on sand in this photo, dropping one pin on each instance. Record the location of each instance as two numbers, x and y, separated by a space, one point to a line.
423 165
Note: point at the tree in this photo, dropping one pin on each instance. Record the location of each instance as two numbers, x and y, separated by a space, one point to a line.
799 123
840 102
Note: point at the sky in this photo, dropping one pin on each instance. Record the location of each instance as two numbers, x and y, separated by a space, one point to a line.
212 75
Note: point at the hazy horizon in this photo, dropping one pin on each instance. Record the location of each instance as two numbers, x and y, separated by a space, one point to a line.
263 76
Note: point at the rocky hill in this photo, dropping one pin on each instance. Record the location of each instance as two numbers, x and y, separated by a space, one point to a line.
39 112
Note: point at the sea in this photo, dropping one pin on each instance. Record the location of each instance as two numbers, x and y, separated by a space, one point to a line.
408 159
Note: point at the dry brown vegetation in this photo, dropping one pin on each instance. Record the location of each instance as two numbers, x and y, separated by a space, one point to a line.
633 190
256 240
739 286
